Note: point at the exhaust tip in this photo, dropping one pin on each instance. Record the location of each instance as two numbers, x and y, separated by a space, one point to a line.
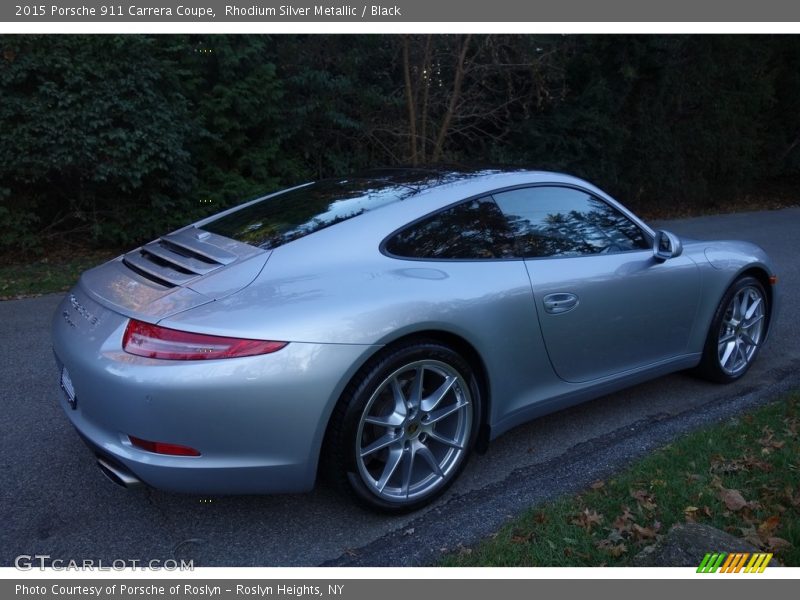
118 475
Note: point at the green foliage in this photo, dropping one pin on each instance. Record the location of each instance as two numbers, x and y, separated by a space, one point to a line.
95 136
238 100
663 119
116 139
341 90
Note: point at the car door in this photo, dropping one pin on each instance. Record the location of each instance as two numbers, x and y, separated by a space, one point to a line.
604 304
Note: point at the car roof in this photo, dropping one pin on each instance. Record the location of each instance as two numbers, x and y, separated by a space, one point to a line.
377 199
433 176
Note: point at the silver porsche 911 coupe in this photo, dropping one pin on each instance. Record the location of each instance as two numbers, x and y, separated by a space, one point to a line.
377 329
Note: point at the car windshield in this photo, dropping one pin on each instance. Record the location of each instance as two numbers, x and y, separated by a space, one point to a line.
294 214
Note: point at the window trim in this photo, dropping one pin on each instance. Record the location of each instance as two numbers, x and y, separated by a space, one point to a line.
648 232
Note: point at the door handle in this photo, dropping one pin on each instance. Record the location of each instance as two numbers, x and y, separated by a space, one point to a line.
560 303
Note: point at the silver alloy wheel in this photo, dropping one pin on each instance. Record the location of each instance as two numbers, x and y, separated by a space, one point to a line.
741 330
414 431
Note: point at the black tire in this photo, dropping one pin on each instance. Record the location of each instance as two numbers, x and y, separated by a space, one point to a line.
740 354
371 413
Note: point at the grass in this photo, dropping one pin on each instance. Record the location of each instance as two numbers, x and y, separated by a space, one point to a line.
47 275
742 477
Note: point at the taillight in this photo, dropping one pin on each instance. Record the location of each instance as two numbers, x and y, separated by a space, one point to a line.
152 341
163 447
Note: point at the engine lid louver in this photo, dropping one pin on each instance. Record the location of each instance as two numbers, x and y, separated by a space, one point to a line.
181 257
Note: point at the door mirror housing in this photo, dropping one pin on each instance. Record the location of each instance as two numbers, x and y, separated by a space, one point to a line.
666 245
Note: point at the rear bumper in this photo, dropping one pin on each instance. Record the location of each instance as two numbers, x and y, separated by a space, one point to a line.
257 421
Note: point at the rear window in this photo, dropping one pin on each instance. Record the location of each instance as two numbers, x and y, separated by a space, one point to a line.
300 212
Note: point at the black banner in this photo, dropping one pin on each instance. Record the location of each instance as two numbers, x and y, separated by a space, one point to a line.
471 11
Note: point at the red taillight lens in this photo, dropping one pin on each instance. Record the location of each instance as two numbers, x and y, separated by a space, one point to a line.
163 448
153 341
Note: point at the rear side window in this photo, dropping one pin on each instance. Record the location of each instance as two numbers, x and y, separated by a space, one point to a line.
470 230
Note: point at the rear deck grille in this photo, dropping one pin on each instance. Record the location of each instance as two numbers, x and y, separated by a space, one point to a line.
147 275
178 258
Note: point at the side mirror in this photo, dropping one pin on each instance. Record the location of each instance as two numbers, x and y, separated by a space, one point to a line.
666 245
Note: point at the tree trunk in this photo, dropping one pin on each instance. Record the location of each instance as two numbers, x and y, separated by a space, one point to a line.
412 116
454 98
426 87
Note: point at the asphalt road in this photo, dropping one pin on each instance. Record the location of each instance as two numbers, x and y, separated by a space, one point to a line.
54 501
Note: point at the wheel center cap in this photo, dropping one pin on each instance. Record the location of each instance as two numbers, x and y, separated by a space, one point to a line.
412 428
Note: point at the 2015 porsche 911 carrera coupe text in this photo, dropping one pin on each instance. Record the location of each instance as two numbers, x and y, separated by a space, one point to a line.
377 328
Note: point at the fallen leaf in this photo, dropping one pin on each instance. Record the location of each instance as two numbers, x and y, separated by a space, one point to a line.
615 536
775 544
598 485
720 464
769 442
747 515
521 538
769 493
768 527
751 535
613 549
690 512
768 435
733 499
644 499
622 523
643 533
587 519
751 462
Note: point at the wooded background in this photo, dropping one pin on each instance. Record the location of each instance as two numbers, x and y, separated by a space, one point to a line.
114 139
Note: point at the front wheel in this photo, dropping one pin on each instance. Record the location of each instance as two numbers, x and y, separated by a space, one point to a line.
737 331
405 427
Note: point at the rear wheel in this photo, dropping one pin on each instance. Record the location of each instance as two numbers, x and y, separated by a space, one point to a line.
404 429
737 331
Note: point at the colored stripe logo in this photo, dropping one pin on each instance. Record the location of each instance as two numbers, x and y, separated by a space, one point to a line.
735 562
